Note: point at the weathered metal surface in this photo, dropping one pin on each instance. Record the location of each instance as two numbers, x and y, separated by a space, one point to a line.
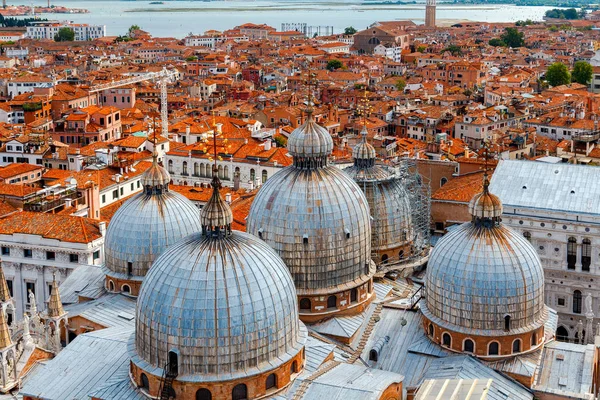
145 225
315 217
481 272
226 304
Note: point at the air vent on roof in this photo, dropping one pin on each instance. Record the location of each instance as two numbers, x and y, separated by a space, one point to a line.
562 381
524 187
572 192
560 357
126 316
556 171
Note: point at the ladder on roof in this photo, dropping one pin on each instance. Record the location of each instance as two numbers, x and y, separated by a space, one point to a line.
166 390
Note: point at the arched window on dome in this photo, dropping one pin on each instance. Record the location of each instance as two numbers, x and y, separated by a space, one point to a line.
516 348
527 235
294 367
305 304
271 382
469 346
577 302
586 254
332 302
384 259
507 323
184 170
111 286
173 365
203 394
354 295
265 175
125 289
494 349
534 339
562 334
170 166
197 173
443 181
145 384
446 339
240 392
430 329
401 254
571 253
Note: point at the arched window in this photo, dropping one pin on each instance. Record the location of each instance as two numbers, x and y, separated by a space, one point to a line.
384 258
534 339
184 168
527 235
331 302
271 381
517 346
374 40
443 181
173 367
240 392
446 339
294 367
226 173
252 175
264 175
125 289
305 304
430 329
562 334
354 295
203 394
197 173
493 349
220 172
469 346
401 254
145 384
202 170
577 302
507 322
586 254
571 253
111 286
170 166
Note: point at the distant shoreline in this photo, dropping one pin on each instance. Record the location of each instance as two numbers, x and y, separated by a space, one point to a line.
279 8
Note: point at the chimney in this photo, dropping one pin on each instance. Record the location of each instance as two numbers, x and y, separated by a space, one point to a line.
68 203
236 181
228 198
102 227
268 145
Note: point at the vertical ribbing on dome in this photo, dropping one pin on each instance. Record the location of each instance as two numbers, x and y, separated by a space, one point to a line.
485 207
156 179
310 145
364 153
4 292
216 216
55 307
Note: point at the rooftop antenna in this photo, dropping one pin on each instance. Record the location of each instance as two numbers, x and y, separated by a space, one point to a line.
310 81
486 156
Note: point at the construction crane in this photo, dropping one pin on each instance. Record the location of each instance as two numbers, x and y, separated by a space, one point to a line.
163 78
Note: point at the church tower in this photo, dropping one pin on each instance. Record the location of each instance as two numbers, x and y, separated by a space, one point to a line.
430 14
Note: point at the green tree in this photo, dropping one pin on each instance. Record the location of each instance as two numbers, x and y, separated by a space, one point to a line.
191 58
512 37
400 84
334 64
454 49
582 73
133 28
65 35
421 49
558 74
497 42
350 31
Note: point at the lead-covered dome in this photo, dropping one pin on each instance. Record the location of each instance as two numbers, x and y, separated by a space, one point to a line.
483 278
145 225
224 303
315 217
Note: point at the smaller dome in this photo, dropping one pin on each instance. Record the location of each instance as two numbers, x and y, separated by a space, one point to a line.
485 205
310 140
155 176
216 214
364 150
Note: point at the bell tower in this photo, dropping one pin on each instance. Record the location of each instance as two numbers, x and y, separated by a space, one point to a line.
430 14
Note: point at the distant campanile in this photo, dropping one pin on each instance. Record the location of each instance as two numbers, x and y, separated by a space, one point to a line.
430 14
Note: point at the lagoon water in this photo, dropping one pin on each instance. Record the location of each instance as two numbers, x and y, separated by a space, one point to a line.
178 18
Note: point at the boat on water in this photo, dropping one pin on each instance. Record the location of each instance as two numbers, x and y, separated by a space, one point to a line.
157 2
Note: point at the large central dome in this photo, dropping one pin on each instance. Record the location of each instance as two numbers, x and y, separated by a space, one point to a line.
317 219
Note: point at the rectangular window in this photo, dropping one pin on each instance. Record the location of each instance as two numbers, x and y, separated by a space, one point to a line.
50 255
132 187
30 288
96 254
115 194
49 289
104 198
74 258
27 253
10 287
561 301
5 251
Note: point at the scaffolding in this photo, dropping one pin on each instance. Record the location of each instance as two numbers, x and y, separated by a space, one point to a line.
308 30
